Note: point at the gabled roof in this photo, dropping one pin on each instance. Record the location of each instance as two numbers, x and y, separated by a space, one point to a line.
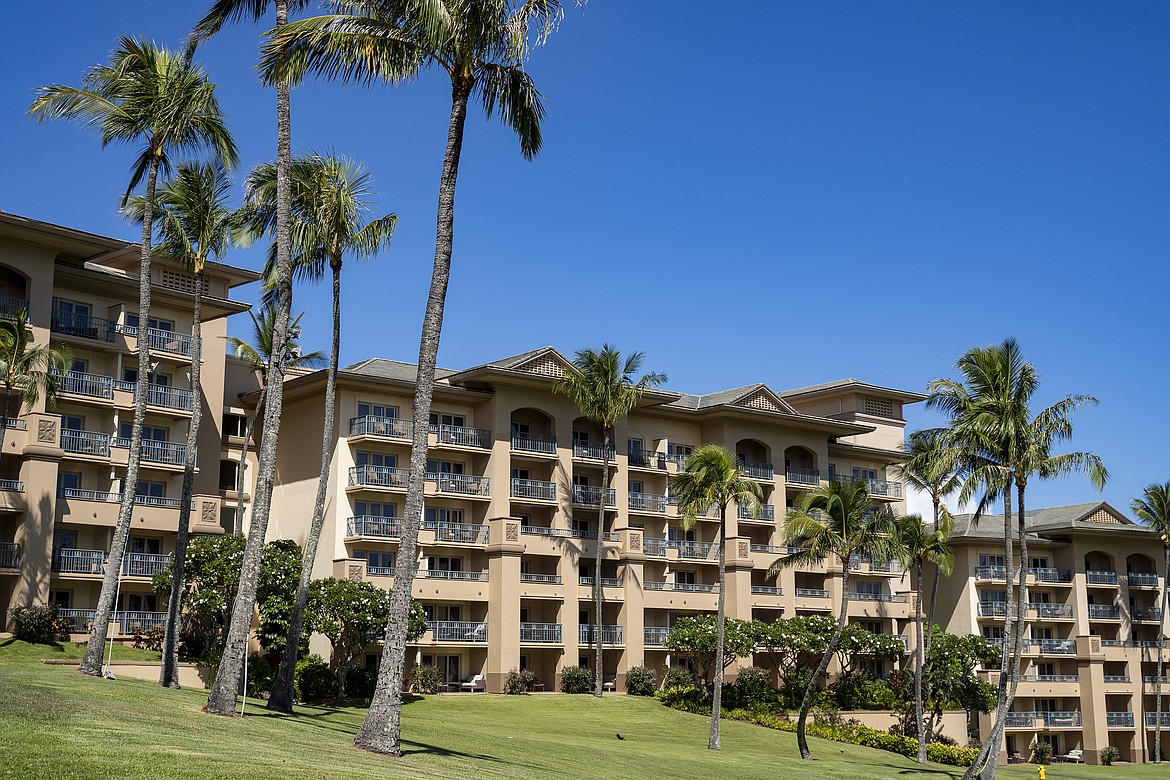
380 368
757 396
856 385
1096 516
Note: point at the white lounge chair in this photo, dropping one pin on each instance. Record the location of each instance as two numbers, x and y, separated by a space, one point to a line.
476 683
1075 756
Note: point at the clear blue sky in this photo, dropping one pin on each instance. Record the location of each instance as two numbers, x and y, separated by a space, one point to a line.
793 193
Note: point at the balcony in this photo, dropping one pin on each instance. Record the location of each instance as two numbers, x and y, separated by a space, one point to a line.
10 307
17 424
82 326
876 487
885 567
586 495
655 636
1053 646
1100 578
460 533
70 561
378 476
85 442
144 564
1152 719
647 502
584 450
1150 679
803 476
168 452
688 587
165 396
889 597
1049 678
993 608
643 459
1130 643
1146 613
610 635
606 582
547 579
89 385
1052 575
449 574
128 622
459 436
991 573
1061 719
463 484
767 590
533 489
545 445
767 513
655 546
540 633
815 593
458 631
696 550
1104 612
756 470
79 619
1119 719
373 525
12 485
1049 610
160 340
373 425
1142 579
9 555
1117 678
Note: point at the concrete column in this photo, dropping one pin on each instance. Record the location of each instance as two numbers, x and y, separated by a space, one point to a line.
38 471
738 602
1091 676
632 563
503 614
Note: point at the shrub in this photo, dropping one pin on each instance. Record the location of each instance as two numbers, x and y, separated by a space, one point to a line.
148 638
361 682
39 624
425 680
641 681
260 674
751 689
1109 754
574 679
519 682
687 699
1041 753
314 680
677 677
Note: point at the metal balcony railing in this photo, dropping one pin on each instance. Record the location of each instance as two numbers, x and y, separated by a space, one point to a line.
80 619
1122 719
166 396
590 451
1153 678
1050 610
9 555
458 631
993 608
85 442
379 476
90 385
1060 719
550 579
17 423
655 546
1142 579
698 550
71 561
587 495
812 592
373 425
542 530
1049 677
689 587
82 326
380 571
463 437
646 459
144 564
767 512
1146 613
143 621
803 476
372 525
1044 574
767 590
160 501
1152 719
464 484
1104 612
606 582
169 452
541 633
610 635
1054 646
1131 643
887 567
1101 577
531 443
655 636
876 487
161 340
10 306
991 572
13 485
892 597
534 489
462 533
448 574
89 495
757 470
1117 678
647 502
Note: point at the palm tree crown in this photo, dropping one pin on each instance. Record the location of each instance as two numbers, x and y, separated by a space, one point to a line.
27 369
712 476
1153 509
602 384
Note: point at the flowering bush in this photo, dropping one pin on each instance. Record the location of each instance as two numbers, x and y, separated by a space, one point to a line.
574 679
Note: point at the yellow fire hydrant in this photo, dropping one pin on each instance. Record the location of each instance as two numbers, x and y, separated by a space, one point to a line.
1040 773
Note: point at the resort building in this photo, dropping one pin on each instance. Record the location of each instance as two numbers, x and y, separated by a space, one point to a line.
1093 587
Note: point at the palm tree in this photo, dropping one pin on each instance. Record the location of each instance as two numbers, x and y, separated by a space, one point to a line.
25 369
1153 509
712 476
834 520
160 98
258 355
330 197
918 545
194 224
482 48
1003 446
602 386
222 699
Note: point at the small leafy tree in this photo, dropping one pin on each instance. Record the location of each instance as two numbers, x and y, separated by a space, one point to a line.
950 678
694 639
790 645
274 595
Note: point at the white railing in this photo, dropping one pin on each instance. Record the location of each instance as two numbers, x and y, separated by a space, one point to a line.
14 485
530 443
816 593
1104 612
757 470
550 579
85 442
610 635
70 561
803 476
606 582
655 636
81 383
1101 577
688 587
168 452
591 496
767 512
448 574
1123 719
144 564
463 533
1142 579
540 633
892 597
647 502
767 590
458 631
144 621
9 555
373 425
372 525
162 340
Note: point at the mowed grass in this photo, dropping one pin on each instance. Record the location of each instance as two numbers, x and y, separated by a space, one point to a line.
57 723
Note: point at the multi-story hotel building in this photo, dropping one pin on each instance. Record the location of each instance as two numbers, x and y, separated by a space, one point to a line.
513 494
62 470
1093 587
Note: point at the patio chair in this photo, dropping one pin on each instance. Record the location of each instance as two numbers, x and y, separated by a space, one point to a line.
1075 756
476 683
610 684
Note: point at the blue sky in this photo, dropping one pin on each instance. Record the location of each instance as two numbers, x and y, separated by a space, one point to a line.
794 193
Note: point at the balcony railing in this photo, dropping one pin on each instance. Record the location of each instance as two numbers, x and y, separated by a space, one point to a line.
655 546
542 530
534 489
144 621
81 383
17 423
1101 577
803 476
462 533
448 574
1131 643
1123 719
767 512
89 495
166 396
1060 719
647 502
549 579
655 636
12 485
606 582
1049 610
458 631
610 635
530 443
464 484
891 597
756 470
373 425
9 555
589 451
463 437
815 593
1049 677
372 525
1104 612
587 495
1153 678
876 487
696 550
85 442
1152 719
1117 678
379 476
9 306
991 572
70 561
79 619
887 567
144 564
161 340
1142 579
767 590
1053 646
169 452
82 326
647 460
1051 575
993 608
1146 613
689 587
541 633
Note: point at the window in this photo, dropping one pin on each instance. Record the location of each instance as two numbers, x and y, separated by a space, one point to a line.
373 509
998 596
145 544
521 474
679 535
439 514
64 540
1046 670
61 599
993 632
131 375
634 486
868 587
73 422
524 615
684 578
1038 563
149 432
872 626
580 526
679 451
68 480
377 562
166 325
442 418
521 430
139 602
990 560
79 365
634 446
580 480
832 471
377 459
377 410
580 437
444 563
235 425
444 467
228 472
151 489
68 311
864 474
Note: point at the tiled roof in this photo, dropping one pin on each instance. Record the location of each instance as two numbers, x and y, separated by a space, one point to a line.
380 368
1048 521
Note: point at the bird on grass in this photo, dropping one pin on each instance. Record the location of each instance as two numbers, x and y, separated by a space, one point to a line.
619 736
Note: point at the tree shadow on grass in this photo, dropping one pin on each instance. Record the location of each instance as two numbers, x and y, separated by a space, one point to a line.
410 748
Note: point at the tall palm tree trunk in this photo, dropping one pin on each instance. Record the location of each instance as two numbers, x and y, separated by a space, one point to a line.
380 732
598 601
720 614
1161 655
281 699
238 515
91 661
919 661
933 591
229 679
811 689
169 673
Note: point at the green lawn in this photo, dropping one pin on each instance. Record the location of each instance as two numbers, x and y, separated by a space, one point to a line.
57 723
